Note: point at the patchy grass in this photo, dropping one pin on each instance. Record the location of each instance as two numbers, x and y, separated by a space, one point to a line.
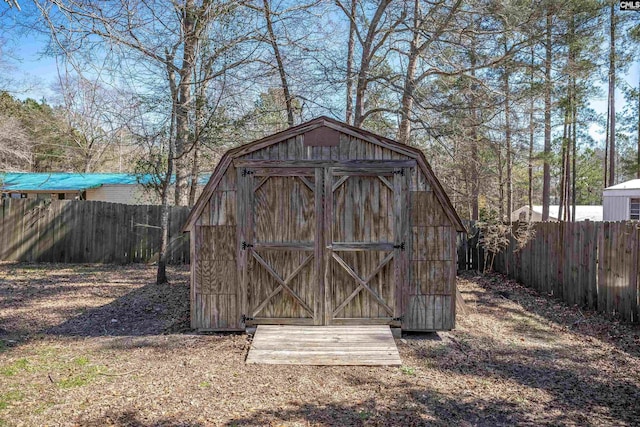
408 370
9 397
14 367
79 378
517 358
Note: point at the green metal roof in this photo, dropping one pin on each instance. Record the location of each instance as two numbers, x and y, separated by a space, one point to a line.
63 181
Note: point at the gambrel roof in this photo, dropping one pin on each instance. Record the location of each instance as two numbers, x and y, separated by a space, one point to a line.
336 125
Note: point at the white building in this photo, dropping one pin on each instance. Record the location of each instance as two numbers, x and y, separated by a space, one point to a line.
583 213
622 202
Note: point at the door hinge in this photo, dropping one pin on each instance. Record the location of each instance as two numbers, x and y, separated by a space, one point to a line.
244 318
246 172
246 245
400 246
398 319
399 171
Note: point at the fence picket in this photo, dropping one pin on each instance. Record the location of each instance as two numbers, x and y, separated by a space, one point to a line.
87 232
590 264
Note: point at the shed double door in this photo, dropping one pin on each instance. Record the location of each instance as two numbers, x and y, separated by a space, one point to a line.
322 245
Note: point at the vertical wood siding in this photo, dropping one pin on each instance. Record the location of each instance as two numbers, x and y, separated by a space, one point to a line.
367 216
590 264
431 303
88 232
215 297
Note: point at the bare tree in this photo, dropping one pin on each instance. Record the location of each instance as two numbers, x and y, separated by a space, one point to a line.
426 29
276 53
15 145
90 127
372 37
137 34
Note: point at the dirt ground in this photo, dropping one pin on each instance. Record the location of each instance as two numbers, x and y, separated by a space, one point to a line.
102 345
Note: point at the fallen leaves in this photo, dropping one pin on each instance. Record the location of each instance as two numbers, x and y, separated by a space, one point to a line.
516 358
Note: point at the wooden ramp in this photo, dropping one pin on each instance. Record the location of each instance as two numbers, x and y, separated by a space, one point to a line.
323 345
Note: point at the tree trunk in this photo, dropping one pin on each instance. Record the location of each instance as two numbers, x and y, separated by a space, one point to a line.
507 135
546 184
563 167
161 274
475 187
567 168
606 148
612 96
350 49
404 130
500 182
361 89
193 185
199 125
184 104
475 157
638 124
365 63
531 135
574 144
573 112
276 52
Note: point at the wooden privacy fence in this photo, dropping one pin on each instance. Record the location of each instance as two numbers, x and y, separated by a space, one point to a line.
591 264
470 253
88 232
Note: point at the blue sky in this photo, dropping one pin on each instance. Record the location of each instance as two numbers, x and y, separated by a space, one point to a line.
25 53
29 63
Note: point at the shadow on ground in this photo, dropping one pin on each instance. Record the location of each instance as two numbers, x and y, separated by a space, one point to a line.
149 310
412 406
130 418
89 301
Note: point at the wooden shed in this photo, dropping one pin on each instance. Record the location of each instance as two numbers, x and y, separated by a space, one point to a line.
323 224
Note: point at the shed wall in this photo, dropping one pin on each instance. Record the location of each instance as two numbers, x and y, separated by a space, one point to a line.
214 275
430 304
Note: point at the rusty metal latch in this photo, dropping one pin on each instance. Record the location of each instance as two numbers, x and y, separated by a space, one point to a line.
246 172
244 318
246 245
398 319
400 246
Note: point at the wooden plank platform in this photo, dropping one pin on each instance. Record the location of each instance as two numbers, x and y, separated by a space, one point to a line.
323 345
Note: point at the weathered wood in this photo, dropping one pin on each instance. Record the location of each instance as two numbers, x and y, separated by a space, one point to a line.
279 228
592 265
87 232
350 205
360 345
276 165
319 243
361 219
391 150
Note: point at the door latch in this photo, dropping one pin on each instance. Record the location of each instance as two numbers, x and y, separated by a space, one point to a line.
400 246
